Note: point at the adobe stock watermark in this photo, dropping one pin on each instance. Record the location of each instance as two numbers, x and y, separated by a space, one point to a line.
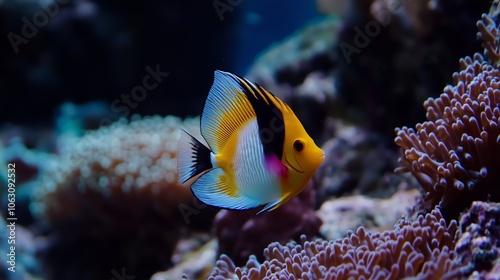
138 94
39 20
223 6
121 276
187 210
363 37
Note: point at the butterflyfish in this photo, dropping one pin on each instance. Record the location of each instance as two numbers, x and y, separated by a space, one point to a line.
258 151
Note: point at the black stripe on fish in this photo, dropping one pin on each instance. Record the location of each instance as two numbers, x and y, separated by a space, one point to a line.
194 157
269 117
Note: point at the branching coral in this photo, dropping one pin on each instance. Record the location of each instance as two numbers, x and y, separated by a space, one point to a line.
113 198
455 155
375 214
418 249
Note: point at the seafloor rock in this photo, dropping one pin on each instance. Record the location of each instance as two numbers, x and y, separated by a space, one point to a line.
418 249
111 201
195 265
356 161
394 54
298 70
340 215
478 246
243 233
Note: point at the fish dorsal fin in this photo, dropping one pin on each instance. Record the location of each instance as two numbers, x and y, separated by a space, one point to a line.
225 110
233 101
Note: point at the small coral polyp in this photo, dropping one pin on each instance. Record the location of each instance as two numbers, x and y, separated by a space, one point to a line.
455 155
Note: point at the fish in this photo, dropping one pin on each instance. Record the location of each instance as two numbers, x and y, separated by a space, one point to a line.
257 151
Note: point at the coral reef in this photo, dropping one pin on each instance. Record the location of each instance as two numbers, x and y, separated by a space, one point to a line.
357 161
394 54
454 155
488 33
478 246
420 249
494 12
342 214
195 265
492 275
112 196
243 233
298 70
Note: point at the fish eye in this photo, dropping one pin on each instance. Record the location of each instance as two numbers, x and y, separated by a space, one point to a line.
298 145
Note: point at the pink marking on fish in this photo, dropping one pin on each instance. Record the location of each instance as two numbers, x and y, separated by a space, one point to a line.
275 166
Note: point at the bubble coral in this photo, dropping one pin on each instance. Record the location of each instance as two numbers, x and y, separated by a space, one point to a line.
243 233
111 200
419 248
455 154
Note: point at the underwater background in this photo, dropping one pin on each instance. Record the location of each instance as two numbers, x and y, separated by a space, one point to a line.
403 97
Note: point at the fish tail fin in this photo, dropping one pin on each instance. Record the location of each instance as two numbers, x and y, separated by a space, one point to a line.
193 157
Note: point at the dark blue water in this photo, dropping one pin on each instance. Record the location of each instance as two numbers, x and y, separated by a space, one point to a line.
267 22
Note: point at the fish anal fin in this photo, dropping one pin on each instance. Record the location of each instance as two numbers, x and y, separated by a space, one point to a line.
272 205
215 188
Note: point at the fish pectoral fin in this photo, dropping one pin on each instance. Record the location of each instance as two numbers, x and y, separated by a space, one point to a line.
272 205
214 188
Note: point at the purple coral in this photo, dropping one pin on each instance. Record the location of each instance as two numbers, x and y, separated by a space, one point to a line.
454 155
241 234
420 249
478 246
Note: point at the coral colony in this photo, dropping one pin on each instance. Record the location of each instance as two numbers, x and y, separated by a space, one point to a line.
455 154
117 188
420 249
